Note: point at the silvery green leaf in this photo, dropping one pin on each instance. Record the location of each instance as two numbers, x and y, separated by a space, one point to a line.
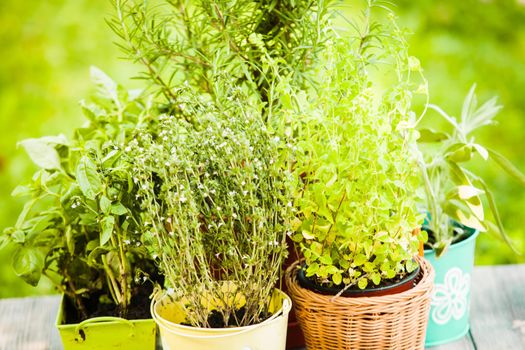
507 166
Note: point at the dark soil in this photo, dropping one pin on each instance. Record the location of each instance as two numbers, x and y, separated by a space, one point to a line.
138 309
323 288
460 234
215 319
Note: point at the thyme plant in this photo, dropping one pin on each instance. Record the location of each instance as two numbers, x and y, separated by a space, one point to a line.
452 190
357 178
216 205
80 226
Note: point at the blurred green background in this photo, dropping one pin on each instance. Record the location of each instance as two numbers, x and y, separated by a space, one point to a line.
48 46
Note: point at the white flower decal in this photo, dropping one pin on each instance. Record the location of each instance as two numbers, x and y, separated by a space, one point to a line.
450 299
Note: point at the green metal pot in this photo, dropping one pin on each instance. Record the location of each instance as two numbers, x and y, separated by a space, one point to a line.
450 307
100 333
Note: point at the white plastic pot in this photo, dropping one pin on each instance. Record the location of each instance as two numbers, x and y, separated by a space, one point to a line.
267 335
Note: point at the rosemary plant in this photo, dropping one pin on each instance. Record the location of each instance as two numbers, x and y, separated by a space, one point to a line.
215 206
452 190
191 41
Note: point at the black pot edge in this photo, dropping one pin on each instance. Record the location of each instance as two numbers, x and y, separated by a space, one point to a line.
471 232
308 284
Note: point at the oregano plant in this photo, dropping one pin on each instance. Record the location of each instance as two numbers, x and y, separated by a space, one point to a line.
353 160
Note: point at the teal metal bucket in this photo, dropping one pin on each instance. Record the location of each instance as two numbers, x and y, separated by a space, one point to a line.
450 306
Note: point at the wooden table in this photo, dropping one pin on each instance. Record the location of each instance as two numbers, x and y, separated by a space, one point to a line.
497 315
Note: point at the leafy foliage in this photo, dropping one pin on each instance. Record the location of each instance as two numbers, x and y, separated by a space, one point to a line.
452 191
191 42
80 226
355 172
216 205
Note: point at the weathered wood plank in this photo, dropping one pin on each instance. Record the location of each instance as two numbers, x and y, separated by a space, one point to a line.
464 343
27 323
497 315
498 307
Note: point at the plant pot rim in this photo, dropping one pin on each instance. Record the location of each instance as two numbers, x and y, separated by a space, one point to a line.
92 321
475 233
282 311
423 286
405 284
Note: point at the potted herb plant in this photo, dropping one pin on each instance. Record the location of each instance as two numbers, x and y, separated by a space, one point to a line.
456 213
216 207
254 43
81 227
356 202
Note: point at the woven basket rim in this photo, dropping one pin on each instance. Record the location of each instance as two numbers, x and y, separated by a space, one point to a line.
425 280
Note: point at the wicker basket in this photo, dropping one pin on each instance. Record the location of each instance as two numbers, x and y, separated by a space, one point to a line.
396 321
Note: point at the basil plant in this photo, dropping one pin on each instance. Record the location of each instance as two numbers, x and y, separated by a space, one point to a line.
80 226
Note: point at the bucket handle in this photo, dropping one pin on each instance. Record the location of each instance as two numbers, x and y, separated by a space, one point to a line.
286 306
79 328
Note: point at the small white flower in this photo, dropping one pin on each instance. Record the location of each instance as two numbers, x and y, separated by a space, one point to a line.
234 216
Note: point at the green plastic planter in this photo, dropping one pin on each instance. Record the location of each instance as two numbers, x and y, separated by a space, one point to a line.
101 333
450 307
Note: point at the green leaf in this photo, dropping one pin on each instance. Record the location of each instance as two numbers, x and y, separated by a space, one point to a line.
495 213
70 240
92 245
107 86
508 167
118 209
337 278
28 263
105 204
18 236
362 283
459 153
429 136
42 153
467 192
312 269
87 177
326 259
482 151
25 211
107 226
360 259
22 191
91 110
376 278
